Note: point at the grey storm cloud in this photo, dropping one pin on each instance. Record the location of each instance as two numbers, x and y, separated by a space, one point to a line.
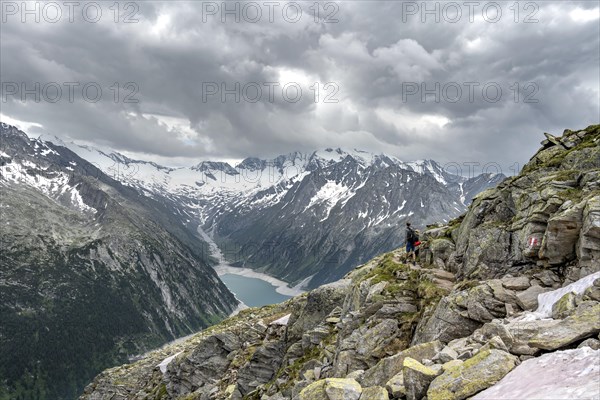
371 58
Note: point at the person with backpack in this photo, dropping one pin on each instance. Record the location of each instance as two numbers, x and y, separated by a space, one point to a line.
411 239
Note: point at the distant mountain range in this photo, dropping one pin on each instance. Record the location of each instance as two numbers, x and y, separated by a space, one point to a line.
301 217
91 272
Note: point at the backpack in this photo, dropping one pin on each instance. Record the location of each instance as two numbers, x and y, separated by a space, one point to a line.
412 236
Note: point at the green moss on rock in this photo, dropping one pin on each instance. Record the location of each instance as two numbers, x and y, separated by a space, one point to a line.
332 389
474 375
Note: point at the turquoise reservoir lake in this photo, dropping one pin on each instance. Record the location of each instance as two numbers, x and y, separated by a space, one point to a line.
253 292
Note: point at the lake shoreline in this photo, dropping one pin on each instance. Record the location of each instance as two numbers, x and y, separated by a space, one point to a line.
281 287
224 268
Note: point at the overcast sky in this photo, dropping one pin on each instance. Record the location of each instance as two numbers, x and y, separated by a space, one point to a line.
370 60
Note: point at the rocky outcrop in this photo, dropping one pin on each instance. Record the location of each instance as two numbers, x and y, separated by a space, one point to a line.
482 300
355 330
548 216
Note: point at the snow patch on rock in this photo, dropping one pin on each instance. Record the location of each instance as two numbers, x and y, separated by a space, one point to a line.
163 365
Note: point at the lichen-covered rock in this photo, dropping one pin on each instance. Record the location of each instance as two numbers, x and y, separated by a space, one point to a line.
592 293
488 251
441 249
449 321
583 323
332 389
460 313
482 304
474 375
387 367
565 306
417 378
395 386
451 364
592 343
522 331
374 393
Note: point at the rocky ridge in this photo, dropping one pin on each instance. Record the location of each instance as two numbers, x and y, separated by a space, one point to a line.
487 310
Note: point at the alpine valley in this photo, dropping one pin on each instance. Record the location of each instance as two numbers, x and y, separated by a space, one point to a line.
304 218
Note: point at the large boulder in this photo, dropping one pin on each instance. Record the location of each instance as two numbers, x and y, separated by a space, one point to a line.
483 304
528 299
583 323
449 321
588 248
441 250
332 389
562 233
365 346
262 366
319 303
459 314
387 367
489 248
474 375
417 378
521 332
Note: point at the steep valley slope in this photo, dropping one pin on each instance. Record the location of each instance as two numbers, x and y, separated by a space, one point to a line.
91 272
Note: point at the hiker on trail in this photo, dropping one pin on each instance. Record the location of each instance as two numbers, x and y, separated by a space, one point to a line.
411 239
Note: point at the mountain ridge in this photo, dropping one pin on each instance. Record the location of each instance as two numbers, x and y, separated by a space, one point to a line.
327 194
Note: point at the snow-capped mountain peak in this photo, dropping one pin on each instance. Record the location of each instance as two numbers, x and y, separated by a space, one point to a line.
326 203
